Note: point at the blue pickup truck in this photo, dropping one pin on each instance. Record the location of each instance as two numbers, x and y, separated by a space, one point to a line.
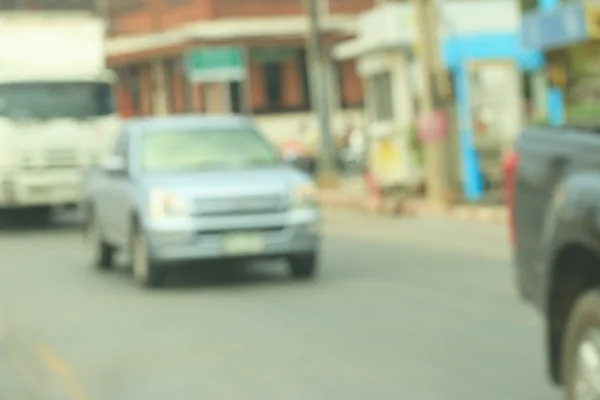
553 193
198 188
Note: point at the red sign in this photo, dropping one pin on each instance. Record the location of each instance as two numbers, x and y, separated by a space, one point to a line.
434 126
292 148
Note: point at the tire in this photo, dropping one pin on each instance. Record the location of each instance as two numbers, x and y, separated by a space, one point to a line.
101 254
145 271
304 266
36 215
42 213
583 331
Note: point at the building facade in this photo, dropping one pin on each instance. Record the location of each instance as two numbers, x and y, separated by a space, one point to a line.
490 73
153 43
150 40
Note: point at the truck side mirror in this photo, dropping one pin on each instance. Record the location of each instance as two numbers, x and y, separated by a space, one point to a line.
114 165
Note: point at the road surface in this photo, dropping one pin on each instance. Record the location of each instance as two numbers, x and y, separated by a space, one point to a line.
418 309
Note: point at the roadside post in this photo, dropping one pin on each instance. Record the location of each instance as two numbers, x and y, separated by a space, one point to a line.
328 174
437 168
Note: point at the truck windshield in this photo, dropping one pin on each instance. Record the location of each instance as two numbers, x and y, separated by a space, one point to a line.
191 150
49 100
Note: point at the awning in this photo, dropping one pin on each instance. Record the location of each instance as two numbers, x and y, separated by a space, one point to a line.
226 30
268 27
140 43
356 48
348 50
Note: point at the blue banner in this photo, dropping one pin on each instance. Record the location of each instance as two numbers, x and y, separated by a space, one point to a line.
546 30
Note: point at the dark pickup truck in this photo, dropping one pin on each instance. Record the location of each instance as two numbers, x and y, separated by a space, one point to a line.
553 194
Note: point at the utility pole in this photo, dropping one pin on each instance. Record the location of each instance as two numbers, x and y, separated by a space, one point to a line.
437 167
320 89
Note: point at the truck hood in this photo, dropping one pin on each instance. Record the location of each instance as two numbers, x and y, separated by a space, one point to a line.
60 141
273 180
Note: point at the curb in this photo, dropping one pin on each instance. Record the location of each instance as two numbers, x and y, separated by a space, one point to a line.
373 205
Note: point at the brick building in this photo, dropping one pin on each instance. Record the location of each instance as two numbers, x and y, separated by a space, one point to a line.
148 41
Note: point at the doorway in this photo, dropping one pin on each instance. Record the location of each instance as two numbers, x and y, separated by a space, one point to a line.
496 111
237 95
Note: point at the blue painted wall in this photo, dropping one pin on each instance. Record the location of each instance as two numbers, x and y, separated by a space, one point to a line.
548 5
458 52
556 101
492 46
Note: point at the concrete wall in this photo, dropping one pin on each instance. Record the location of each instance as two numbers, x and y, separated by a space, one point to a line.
281 127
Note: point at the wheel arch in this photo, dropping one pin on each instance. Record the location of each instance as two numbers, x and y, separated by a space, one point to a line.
575 271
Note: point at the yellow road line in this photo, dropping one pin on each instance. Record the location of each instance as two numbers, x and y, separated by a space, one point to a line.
63 371
26 373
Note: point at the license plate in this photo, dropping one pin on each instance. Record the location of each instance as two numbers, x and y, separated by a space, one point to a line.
244 243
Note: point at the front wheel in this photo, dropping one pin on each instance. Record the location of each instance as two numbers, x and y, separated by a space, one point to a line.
304 266
100 253
581 356
145 271
36 215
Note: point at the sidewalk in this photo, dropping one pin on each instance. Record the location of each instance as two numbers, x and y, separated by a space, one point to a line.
353 195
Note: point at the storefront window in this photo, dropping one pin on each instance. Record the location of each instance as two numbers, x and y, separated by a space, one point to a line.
130 81
171 65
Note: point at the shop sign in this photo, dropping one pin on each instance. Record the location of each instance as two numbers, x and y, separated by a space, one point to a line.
216 64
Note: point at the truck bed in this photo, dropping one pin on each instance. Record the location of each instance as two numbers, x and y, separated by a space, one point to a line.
551 161
553 192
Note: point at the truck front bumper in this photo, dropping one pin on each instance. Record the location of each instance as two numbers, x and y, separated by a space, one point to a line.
40 189
267 236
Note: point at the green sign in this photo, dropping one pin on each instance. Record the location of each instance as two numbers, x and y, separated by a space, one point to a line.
216 64
272 54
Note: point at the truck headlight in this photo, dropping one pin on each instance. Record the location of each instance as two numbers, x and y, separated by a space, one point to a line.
165 204
305 196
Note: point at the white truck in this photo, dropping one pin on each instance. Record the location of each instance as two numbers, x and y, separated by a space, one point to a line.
57 108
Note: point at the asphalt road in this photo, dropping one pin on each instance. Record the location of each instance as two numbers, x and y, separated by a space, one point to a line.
403 309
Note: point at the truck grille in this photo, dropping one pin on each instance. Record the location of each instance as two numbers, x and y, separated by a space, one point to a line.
51 159
60 158
242 205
